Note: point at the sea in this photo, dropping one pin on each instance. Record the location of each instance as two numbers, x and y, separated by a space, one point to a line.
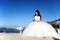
10 30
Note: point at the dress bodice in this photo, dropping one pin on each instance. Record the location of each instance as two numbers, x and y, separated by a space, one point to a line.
37 18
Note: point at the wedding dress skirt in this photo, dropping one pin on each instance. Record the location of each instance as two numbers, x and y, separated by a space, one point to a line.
40 29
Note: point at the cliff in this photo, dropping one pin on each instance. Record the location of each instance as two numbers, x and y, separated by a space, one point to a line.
55 23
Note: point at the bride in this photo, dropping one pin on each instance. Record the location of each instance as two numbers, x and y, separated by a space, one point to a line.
38 28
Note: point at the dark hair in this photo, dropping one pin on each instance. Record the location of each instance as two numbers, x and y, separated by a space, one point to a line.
38 13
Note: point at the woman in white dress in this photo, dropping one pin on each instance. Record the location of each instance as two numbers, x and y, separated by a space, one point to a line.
38 28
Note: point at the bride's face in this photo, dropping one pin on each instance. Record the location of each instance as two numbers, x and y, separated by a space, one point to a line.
36 14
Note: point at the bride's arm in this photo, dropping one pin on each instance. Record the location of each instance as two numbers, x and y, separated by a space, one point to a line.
40 19
33 20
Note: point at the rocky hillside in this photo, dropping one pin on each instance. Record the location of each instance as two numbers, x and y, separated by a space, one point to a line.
55 23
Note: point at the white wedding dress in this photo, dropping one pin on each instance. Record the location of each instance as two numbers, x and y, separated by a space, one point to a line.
39 29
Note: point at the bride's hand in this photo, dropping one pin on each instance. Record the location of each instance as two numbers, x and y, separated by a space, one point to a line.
33 20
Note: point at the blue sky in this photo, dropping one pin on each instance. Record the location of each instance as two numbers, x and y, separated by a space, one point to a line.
21 12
